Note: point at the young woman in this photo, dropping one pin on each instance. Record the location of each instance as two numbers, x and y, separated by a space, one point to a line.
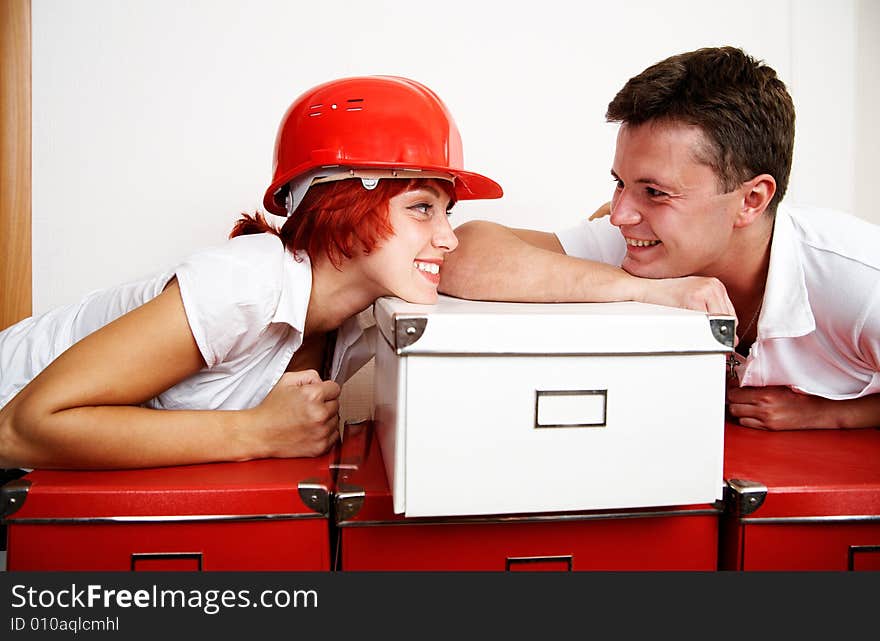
366 170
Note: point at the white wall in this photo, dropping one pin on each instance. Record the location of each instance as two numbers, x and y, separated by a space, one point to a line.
867 100
154 120
823 86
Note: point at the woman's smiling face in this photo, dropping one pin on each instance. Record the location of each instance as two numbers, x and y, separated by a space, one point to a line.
408 264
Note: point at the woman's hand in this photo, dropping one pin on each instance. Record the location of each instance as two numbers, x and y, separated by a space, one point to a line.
299 417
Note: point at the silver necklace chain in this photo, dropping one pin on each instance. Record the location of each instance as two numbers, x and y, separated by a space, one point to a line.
732 362
754 318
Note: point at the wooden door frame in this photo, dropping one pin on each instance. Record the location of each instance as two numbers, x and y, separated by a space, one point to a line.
15 162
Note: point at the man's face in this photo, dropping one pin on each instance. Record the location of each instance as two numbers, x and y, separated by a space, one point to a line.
667 203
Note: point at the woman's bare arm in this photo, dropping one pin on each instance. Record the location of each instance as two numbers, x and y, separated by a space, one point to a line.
82 411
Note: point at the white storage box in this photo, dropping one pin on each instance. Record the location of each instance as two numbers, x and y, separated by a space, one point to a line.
494 408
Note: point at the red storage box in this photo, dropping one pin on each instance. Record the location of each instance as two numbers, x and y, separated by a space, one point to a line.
258 515
372 537
801 500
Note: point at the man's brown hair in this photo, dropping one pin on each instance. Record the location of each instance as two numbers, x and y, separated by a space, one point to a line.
742 107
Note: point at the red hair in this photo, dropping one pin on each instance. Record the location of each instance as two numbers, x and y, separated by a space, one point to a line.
334 216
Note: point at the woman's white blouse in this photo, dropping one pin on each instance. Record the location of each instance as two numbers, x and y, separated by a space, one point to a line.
245 301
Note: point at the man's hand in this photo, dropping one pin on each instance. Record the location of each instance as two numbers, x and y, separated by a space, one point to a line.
776 408
780 408
690 292
604 210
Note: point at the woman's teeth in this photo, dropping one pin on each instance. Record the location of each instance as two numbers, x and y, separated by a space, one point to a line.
431 268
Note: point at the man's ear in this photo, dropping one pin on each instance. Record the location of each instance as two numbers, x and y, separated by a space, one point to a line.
757 194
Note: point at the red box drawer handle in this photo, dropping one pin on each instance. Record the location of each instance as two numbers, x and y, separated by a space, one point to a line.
166 562
864 557
538 563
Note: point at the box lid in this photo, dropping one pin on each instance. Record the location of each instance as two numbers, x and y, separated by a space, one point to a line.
803 473
272 488
455 326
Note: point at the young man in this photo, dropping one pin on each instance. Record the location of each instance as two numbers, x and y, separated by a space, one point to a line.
702 162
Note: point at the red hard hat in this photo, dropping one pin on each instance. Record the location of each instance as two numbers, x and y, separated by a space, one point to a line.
371 122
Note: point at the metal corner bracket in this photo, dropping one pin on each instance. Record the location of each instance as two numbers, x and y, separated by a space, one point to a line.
744 497
12 497
349 501
723 329
315 495
407 330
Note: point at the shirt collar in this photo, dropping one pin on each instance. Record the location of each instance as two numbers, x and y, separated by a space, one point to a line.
296 289
786 308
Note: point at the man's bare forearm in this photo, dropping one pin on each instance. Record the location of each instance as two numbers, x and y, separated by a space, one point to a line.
493 262
858 412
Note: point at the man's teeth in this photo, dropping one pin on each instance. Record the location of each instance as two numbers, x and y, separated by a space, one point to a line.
641 243
431 268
